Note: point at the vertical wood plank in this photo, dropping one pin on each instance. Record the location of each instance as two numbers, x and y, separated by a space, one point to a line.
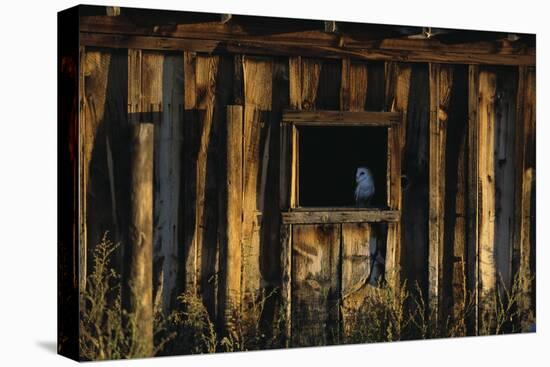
234 213
295 98
525 191
191 138
415 173
358 239
152 68
258 79
358 75
486 169
435 184
505 135
139 251
440 91
473 194
311 71
397 97
140 238
207 248
315 287
454 115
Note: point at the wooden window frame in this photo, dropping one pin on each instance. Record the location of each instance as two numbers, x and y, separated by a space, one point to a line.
291 213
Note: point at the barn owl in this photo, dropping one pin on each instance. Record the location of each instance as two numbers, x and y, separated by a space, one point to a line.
364 191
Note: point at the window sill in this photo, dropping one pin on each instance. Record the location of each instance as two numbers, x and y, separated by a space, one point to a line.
338 215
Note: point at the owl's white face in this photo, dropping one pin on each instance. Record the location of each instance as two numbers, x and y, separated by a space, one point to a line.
362 173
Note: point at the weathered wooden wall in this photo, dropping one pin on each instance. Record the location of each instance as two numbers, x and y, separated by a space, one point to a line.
464 154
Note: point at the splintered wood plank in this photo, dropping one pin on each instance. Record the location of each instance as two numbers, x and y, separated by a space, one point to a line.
525 190
234 212
258 78
486 169
315 284
397 97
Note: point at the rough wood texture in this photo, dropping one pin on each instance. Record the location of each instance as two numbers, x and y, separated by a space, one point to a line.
486 169
525 187
257 76
140 237
339 216
190 153
440 91
473 194
291 32
414 213
454 115
233 251
285 200
168 165
505 165
397 98
357 238
315 284
342 118
207 78
259 47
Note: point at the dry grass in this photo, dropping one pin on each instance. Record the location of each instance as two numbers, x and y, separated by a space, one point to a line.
384 314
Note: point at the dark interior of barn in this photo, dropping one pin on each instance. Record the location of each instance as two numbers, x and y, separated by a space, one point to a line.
329 158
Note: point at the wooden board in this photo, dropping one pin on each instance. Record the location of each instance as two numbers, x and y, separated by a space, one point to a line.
257 77
335 215
525 190
206 91
315 284
233 252
473 192
441 78
342 118
486 169
505 170
259 47
397 98
104 196
414 201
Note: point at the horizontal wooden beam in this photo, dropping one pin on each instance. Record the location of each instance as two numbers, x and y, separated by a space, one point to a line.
342 118
257 46
312 216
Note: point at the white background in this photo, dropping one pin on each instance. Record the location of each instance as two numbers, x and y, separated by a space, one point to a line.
28 182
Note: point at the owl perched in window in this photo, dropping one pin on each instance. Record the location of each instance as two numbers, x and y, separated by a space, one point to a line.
364 191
